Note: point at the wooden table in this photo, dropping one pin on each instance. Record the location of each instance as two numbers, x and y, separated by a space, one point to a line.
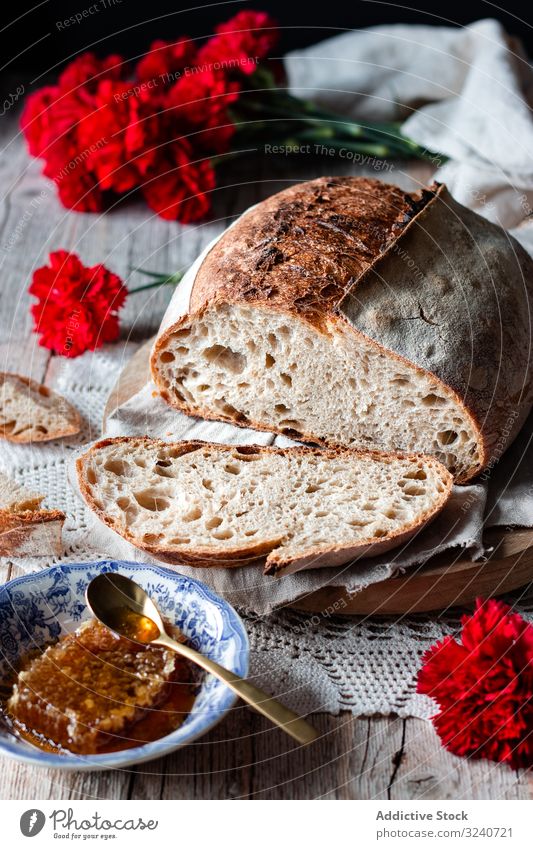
244 757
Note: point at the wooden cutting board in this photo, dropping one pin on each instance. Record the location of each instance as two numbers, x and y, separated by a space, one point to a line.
447 580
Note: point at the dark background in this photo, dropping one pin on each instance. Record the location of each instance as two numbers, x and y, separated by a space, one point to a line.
32 44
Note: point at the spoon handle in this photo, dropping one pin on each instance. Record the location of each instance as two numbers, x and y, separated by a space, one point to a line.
286 719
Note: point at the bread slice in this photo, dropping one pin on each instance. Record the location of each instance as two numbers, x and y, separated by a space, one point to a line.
25 529
205 504
31 412
346 312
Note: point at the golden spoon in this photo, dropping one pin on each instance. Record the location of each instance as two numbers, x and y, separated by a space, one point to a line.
124 607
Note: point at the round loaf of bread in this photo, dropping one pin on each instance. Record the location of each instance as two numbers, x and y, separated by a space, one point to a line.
347 312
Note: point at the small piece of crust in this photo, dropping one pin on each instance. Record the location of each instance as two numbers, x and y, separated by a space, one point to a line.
31 412
25 529
206 504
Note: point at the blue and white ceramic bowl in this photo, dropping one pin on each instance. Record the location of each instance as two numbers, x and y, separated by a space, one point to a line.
37 608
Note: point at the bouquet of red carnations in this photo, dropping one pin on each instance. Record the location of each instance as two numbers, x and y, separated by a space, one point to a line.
104 131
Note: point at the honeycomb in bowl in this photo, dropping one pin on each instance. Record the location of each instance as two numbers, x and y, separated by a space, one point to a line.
95 692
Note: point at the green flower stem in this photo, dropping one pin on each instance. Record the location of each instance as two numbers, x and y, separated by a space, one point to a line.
292 142
280 105
159 280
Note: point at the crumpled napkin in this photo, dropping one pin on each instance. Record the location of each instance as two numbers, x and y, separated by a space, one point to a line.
465 92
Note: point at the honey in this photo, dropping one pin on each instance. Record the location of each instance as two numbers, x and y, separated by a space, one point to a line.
94 692
134 625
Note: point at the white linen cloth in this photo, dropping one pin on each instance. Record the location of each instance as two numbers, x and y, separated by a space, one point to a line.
471 87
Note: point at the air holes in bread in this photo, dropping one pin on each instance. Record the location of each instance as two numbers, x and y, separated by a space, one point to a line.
269 360
193 515
150 500
173 453
152 539
167 357
447 437
291 424
432 400
225 358
225 534
232 412
413 489
163 471
244 458
418 475
91 475
286 378
232 468
116 467
214 522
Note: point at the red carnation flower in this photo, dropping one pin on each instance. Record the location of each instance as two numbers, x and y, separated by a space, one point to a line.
199 104
484 686
241 42
77 306
88 71
165 60
116 138
180 188
101 134
37 121
77 188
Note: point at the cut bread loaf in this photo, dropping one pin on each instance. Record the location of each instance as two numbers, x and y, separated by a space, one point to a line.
346 312
31 412
25 529
204 504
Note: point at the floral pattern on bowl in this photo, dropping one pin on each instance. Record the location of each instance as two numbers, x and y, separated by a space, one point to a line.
36 609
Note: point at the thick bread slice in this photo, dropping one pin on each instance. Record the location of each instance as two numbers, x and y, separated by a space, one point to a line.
31 412
205 504
346 312
25 529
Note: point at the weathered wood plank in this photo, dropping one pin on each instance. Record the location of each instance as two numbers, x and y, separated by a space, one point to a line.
244 758
427 771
